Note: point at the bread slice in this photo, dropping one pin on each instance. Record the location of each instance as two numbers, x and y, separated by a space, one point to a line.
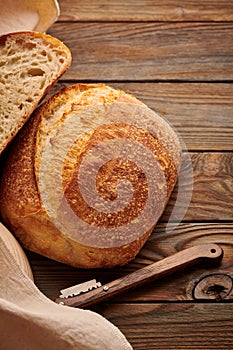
55 212
30 64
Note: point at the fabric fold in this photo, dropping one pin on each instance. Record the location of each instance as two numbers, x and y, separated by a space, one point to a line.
31 321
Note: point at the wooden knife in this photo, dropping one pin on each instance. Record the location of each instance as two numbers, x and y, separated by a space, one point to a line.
89 293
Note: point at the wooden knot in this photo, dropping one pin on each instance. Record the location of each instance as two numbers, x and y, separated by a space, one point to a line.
216 286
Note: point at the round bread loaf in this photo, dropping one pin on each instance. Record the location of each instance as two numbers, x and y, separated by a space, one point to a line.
88 176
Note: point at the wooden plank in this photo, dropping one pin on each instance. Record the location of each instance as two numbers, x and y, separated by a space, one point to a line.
174 326
212 197
201 113
148 51
51 276
146 10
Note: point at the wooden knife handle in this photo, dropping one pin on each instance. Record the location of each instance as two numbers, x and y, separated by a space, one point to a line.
176 262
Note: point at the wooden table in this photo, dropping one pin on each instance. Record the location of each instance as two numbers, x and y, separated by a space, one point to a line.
177 57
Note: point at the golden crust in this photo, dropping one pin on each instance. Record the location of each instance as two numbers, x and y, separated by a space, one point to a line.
23 210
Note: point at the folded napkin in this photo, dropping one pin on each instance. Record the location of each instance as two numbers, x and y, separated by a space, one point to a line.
31 321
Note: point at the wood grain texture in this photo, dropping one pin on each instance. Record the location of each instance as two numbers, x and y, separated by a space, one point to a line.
212 197
174 326
148 51
52 276
149 10
200 112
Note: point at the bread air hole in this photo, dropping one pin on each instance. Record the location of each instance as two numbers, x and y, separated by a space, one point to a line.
11 52
36 72
23 75
29 45
42 84
14 60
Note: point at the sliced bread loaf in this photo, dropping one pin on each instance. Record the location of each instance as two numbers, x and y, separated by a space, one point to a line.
30 64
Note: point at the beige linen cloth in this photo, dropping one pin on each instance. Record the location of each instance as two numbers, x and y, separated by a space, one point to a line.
31 321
